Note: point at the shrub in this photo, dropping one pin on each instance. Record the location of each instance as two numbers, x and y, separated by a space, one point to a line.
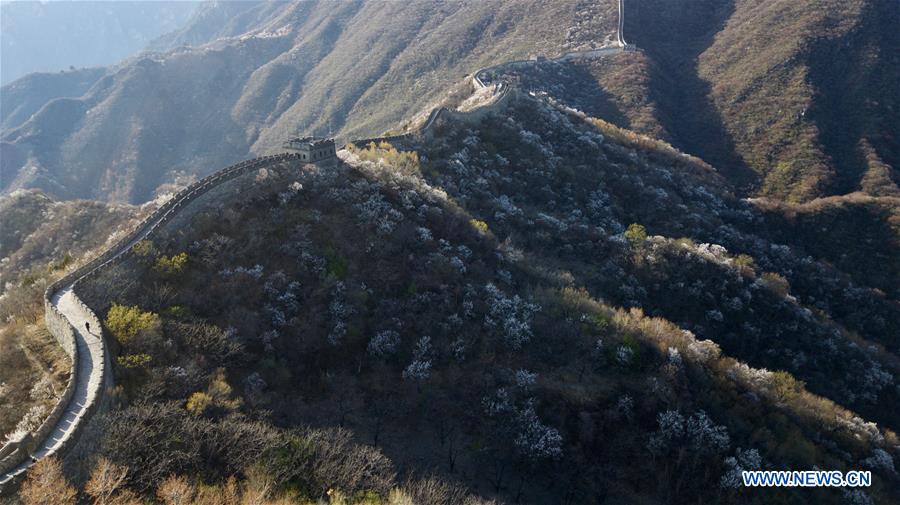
479 226
198 403
61 264
125 323
406 162
134 360
744 260
220 391
785 386
169 266
599 323
336 264
636 233
176 490
106 482
776 283
144 249
176 312
510 317
218 394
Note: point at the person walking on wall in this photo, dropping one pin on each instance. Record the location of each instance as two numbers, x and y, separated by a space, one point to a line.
87 326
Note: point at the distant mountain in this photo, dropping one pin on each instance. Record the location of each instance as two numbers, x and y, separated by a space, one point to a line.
792 100
55 36
240 77
27 95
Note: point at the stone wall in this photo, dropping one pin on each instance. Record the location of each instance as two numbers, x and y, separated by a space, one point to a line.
18 449
17 452
482 79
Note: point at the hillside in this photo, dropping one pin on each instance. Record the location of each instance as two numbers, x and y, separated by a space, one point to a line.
799 88
540 300
498 304
271 70
27 95
36 230
793 100
40 239
857 231
789 100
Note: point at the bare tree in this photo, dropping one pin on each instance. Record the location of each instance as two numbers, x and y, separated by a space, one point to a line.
434 491
46 485
175 490
106 480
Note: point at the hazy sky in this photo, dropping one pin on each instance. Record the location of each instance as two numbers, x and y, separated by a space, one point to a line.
53 36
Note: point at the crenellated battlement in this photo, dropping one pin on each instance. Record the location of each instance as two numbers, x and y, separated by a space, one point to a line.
312 149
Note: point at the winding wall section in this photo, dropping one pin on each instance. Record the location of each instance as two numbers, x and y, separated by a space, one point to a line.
484 77
66 314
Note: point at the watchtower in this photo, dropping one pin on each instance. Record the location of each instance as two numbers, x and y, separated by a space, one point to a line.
312 149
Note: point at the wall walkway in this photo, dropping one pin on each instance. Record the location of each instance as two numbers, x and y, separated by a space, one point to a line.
66 314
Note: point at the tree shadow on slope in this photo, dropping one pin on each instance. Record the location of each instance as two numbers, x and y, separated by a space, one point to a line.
845 72
675 37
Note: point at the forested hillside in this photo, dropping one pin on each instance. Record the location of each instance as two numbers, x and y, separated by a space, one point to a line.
802 94
790 100
535 305
622 278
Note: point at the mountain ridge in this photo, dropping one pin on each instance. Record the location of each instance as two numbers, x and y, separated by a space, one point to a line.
549 190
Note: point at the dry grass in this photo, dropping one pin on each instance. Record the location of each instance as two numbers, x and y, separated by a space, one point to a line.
33 374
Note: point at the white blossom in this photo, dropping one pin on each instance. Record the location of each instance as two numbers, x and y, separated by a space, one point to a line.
384 343
536 440
255 272
525 379
857 497
499 403
697 432
423 234
674 357
706 436
420 368
743 460
625 406
339 311
377 211
511 317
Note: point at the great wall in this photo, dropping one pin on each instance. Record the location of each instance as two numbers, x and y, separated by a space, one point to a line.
66 315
